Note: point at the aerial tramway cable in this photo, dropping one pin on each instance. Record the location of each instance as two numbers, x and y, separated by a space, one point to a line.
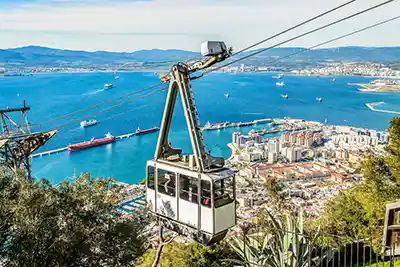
109 108
333 40
296 37
97 105
292 28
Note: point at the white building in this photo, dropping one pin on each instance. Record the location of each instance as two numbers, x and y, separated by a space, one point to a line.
273 146
293 154
272 157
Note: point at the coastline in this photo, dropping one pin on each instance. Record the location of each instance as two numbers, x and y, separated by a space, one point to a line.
155 70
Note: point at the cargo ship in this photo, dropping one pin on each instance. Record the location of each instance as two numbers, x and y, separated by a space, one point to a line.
146 131
92 143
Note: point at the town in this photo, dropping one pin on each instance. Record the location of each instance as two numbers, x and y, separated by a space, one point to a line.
314 163
323 69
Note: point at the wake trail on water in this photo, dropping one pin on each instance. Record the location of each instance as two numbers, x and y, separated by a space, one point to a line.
94 92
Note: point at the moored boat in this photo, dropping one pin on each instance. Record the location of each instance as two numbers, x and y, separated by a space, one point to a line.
146 131
92 143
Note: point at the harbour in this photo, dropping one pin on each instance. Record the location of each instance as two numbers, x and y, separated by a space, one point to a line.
251 98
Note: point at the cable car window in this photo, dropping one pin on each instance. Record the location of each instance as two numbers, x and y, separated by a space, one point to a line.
188 188
150 177
223 192
206 193
166 182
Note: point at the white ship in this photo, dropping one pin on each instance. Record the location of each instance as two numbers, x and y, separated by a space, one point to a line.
88 123
319 99
108 86
116 77
285 96
280 84
226 95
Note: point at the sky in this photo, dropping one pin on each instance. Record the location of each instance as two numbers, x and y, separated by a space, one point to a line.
130 25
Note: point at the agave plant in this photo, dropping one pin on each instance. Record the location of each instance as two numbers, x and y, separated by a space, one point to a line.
279 243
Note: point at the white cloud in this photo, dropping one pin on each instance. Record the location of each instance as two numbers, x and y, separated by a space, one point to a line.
127 26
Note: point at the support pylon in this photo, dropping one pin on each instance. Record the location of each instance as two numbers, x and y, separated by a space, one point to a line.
17 142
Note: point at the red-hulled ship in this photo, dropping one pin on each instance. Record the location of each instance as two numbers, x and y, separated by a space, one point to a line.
92 143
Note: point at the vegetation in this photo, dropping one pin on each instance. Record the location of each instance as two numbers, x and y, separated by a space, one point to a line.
279 241
274 188
359 212
69 225
188 255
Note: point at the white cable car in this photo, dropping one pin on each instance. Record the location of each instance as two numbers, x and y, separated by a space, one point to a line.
193 195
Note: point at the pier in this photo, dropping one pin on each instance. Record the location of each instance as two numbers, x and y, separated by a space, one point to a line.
46 153
372 106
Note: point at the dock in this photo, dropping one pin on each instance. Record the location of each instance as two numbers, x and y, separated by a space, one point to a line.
128 207
224 125
372 106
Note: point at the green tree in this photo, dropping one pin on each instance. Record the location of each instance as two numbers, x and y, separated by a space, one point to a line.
359 211
274 188
73 224
189 255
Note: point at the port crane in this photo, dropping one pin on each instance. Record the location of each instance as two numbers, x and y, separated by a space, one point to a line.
193 195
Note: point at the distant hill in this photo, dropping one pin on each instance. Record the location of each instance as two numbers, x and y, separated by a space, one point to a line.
49 57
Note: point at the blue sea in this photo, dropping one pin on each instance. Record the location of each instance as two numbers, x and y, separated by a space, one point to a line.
252 96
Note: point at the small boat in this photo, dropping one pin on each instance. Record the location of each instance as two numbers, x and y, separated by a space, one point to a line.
276 76
280 84
319 99
108 86
88 123
226 95
285 96
115 76
333 79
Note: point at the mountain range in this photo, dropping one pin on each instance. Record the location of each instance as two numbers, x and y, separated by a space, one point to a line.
37 56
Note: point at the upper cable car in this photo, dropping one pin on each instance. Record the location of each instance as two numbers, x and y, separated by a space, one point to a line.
194 194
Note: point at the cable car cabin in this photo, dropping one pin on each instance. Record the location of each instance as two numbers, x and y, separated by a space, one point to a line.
202 205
